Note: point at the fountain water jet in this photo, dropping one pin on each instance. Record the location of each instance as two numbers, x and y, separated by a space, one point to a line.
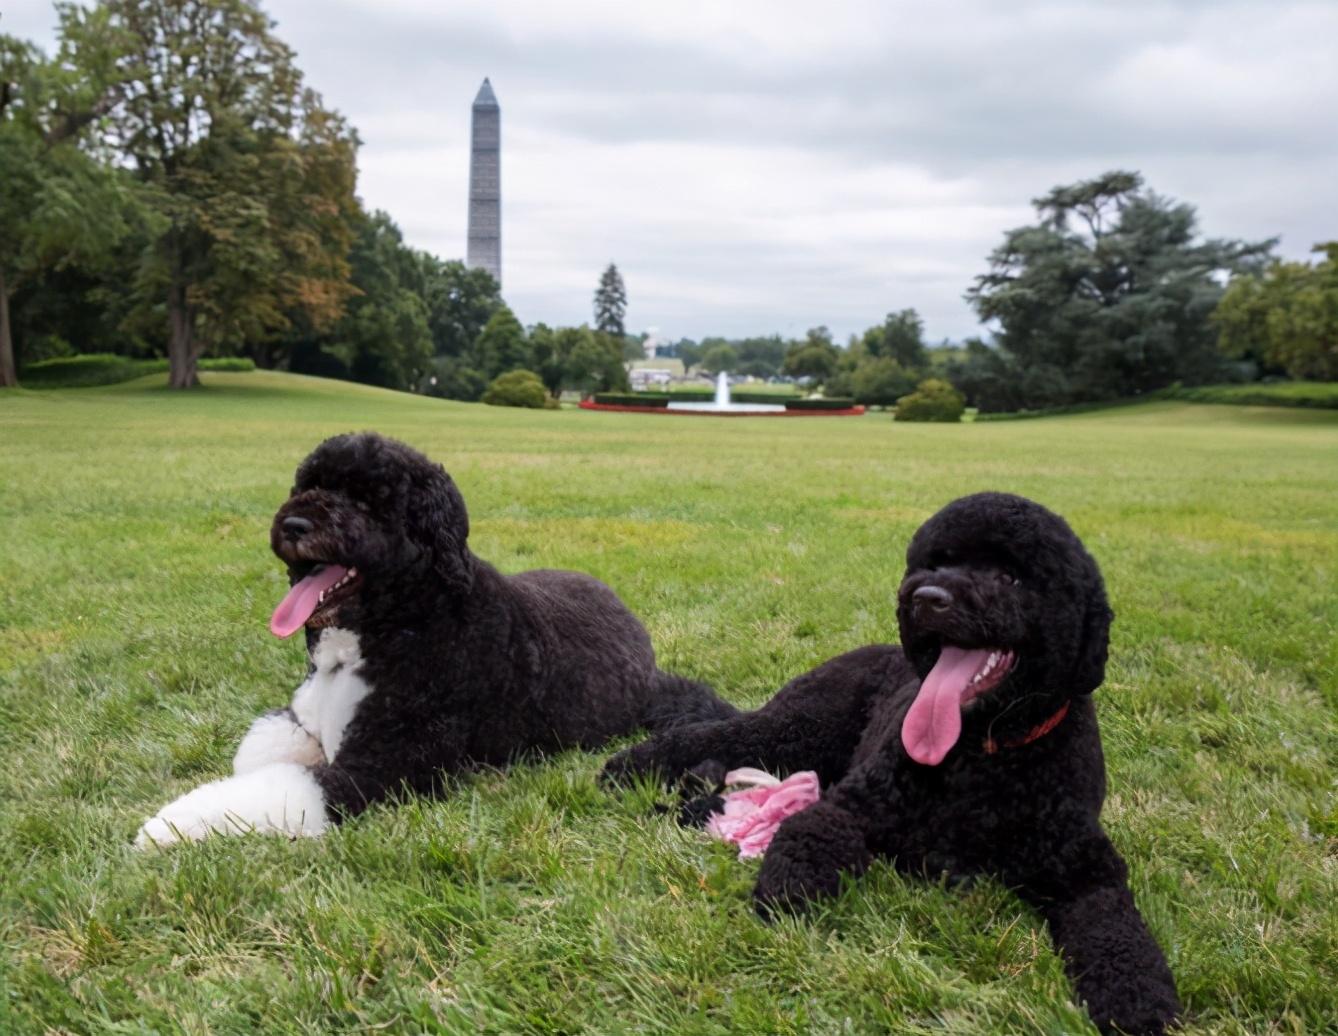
722 405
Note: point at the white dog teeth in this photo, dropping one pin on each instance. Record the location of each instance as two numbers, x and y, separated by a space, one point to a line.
987 668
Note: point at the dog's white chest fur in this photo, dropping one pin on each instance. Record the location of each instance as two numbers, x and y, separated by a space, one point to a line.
326 703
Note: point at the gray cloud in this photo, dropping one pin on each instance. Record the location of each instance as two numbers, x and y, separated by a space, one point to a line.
760 166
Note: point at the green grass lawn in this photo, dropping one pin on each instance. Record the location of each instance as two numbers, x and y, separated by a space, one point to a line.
135 587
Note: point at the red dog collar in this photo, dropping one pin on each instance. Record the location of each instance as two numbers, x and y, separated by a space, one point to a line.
1035 734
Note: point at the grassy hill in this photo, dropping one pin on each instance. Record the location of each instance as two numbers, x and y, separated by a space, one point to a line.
134 593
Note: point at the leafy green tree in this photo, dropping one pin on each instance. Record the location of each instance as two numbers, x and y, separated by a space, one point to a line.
1287 318
460 301
719 358
383 339
59 207
760 357
501 346
249 176
545 359
900 337
880 381
611 303
1109 294
689 352
451 377
592 362
816 357
517 388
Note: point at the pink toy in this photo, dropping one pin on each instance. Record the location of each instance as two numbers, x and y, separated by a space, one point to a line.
752 815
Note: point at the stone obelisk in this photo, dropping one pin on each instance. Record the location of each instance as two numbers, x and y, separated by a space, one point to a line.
485 184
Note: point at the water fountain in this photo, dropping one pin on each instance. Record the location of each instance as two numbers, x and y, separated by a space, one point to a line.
722 404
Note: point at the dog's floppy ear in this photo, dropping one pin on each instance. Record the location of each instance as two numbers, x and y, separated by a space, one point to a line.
1090 667
445 524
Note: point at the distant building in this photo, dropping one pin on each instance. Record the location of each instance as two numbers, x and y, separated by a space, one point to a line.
643 376
485 184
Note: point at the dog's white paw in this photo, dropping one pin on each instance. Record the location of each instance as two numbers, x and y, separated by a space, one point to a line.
281 798
277 737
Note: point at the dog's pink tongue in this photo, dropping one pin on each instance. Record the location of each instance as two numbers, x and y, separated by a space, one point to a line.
296 608
934 721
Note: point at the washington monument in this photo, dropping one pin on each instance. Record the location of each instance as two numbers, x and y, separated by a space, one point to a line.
485 184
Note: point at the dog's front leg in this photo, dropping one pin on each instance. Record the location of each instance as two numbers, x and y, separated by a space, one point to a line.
1114 962
280 798
277 737
806 859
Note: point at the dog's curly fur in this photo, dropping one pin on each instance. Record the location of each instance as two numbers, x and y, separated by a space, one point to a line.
1002 572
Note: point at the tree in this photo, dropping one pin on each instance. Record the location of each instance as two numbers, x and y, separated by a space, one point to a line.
816 357
719 358
501 345
900 337
611 303
545 358
383 339
1109 294
760 357
880 381
58 206
460 301
1287 318
250 177
689 352
591 362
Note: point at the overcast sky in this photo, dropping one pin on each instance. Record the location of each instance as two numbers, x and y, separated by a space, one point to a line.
758 167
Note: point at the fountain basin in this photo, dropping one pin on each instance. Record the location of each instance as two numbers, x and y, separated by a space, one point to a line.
721 407
737 408
710 410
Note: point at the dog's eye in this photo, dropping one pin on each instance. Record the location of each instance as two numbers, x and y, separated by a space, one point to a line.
1014 580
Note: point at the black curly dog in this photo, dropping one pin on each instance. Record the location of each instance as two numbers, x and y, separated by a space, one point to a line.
425 660
972 749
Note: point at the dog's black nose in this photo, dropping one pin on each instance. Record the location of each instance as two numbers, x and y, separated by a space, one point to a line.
931 598
295 528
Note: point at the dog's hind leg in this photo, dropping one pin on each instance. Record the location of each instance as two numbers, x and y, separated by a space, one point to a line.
677 701
813 723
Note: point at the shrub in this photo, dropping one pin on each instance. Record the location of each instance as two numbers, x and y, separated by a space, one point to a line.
88 370
227 363
517 388
933 400
829 403
759 397
646 399
880 382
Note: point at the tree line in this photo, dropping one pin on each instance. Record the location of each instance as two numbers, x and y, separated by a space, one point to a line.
1109 295
170 186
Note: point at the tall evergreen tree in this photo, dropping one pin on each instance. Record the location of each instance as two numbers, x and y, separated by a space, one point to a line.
611 304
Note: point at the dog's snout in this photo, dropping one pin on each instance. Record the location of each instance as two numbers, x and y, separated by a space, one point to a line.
931 599
294 528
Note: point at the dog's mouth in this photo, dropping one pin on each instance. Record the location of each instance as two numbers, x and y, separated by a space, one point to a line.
960 676
313 598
